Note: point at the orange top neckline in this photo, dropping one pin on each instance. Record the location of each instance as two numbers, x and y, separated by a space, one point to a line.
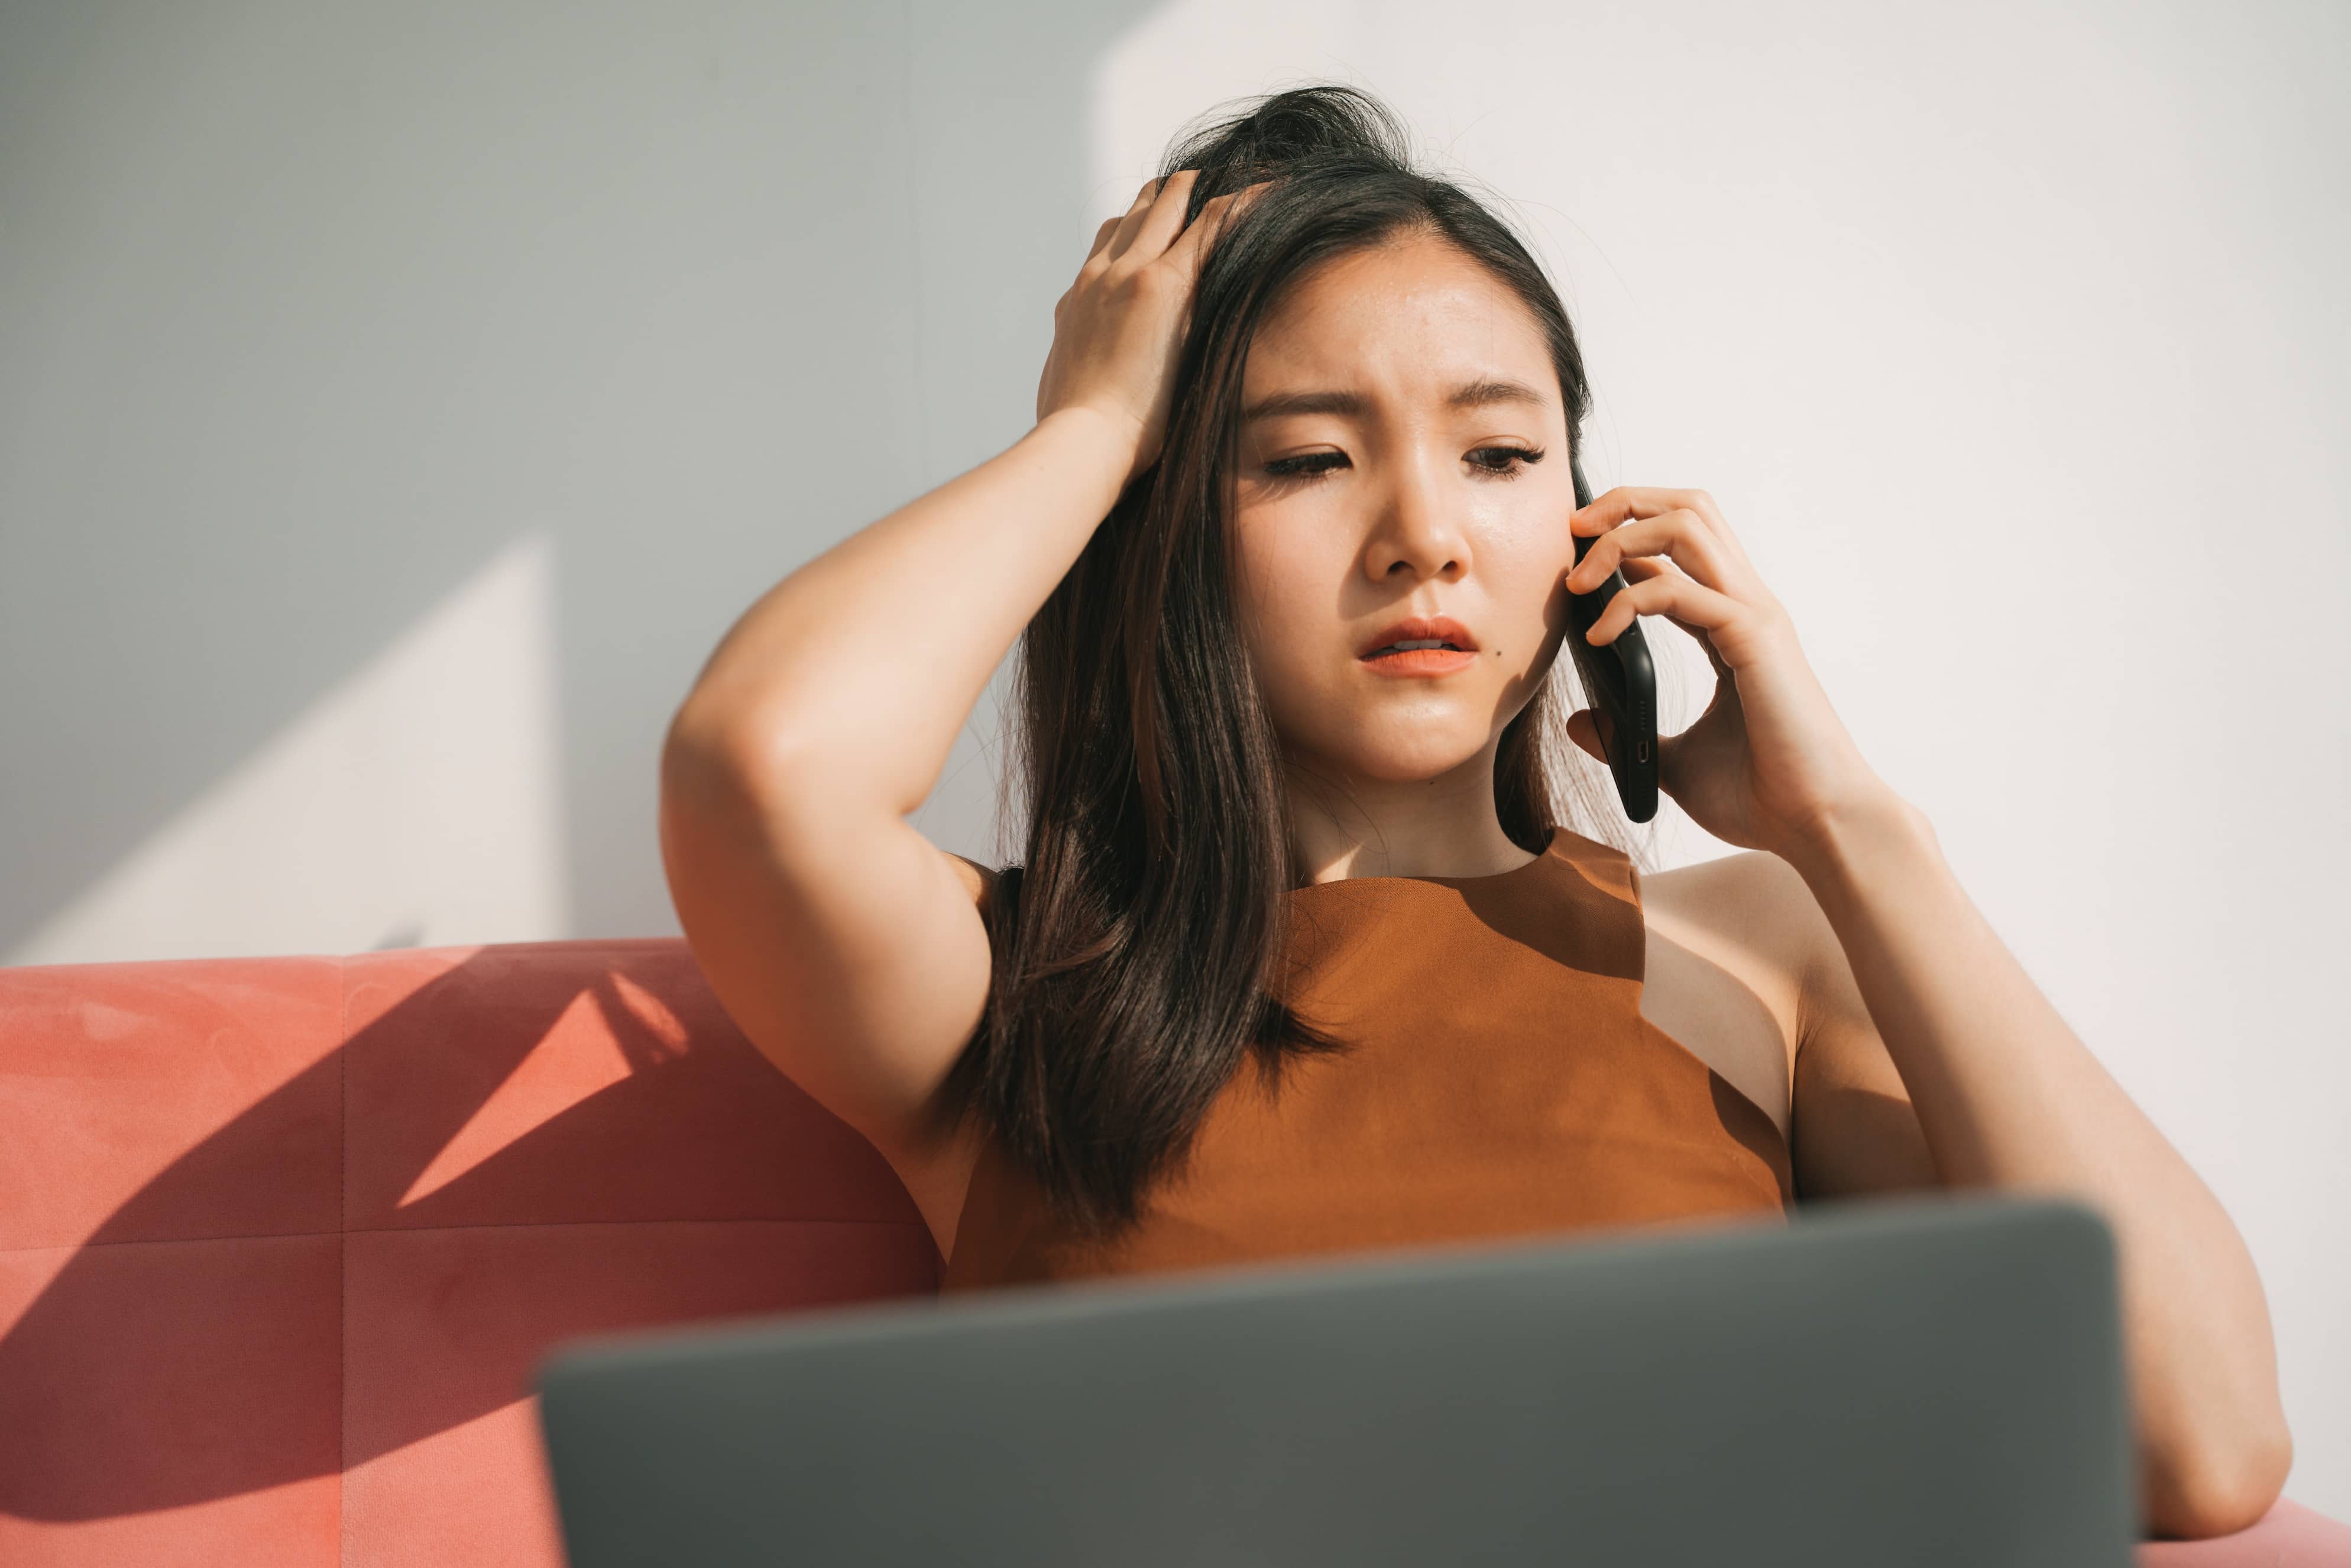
1554 844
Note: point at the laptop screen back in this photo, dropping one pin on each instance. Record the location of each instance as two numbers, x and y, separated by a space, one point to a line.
1924 1379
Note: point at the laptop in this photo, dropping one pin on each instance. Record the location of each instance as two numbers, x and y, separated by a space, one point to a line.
1915 1379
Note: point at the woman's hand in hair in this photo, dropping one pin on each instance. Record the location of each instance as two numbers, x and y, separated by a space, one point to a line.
1769 765
1119 328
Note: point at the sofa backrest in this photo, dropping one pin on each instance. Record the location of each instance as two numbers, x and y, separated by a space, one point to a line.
283 1239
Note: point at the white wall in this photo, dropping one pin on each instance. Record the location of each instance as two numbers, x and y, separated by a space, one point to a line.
309 314
2011 340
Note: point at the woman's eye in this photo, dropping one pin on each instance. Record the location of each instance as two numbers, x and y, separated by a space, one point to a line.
1313 465
1296 467
1513 459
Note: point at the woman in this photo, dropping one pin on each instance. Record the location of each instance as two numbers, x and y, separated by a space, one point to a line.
1302 957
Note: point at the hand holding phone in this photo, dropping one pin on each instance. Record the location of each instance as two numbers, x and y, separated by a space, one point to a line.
1620 681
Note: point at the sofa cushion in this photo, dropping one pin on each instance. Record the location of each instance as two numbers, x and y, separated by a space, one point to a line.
284 1239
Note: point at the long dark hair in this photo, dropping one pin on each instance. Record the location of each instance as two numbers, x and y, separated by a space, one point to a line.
1139 950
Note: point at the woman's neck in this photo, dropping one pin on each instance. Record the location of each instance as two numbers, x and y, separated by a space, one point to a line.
1414 836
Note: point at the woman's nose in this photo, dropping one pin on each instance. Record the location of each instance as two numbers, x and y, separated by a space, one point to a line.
1420 522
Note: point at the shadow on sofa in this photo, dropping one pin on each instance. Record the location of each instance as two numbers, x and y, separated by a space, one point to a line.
286 1237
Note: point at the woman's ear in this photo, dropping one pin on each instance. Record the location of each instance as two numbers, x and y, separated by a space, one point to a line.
1583 729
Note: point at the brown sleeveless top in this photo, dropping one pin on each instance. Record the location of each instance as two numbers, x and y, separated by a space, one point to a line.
1499 1082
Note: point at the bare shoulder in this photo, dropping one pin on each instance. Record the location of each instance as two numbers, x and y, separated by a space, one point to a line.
1853 1127
1747 914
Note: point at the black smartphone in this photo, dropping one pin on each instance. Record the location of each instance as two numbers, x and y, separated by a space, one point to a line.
1620 681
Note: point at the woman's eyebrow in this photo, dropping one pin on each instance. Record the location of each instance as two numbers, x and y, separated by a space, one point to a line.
1480 393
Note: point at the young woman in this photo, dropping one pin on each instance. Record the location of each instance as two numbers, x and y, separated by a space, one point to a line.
1302 957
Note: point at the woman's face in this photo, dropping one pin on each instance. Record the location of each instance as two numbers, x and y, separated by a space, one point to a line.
1386 499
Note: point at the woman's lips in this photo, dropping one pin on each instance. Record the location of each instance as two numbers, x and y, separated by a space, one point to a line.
1419 661
1419 629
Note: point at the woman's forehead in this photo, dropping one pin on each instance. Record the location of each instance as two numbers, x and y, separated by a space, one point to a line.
1424 321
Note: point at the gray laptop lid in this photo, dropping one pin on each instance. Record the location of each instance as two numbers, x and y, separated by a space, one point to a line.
1930 1378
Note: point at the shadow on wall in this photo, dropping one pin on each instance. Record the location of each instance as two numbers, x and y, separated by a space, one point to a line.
331 308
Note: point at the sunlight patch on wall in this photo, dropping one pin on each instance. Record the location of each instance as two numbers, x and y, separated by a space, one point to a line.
419 803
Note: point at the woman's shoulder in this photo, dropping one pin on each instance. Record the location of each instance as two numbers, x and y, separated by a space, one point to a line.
1741 915
1750 896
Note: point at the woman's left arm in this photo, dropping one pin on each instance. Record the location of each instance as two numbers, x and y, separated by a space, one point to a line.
2005 1094
2008 1097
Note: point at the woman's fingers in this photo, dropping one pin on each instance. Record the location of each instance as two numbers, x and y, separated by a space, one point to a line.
1108 240
1185 254
1612 507
1153 222
1681 534
1150 225
1627 502
1686 603
1668 530
1118 331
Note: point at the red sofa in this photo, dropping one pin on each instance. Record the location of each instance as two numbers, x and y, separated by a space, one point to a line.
282 1239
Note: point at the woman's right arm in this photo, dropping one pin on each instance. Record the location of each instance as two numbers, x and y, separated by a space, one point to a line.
844 945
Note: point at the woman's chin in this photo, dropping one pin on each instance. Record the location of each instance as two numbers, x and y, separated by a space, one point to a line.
1412 759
